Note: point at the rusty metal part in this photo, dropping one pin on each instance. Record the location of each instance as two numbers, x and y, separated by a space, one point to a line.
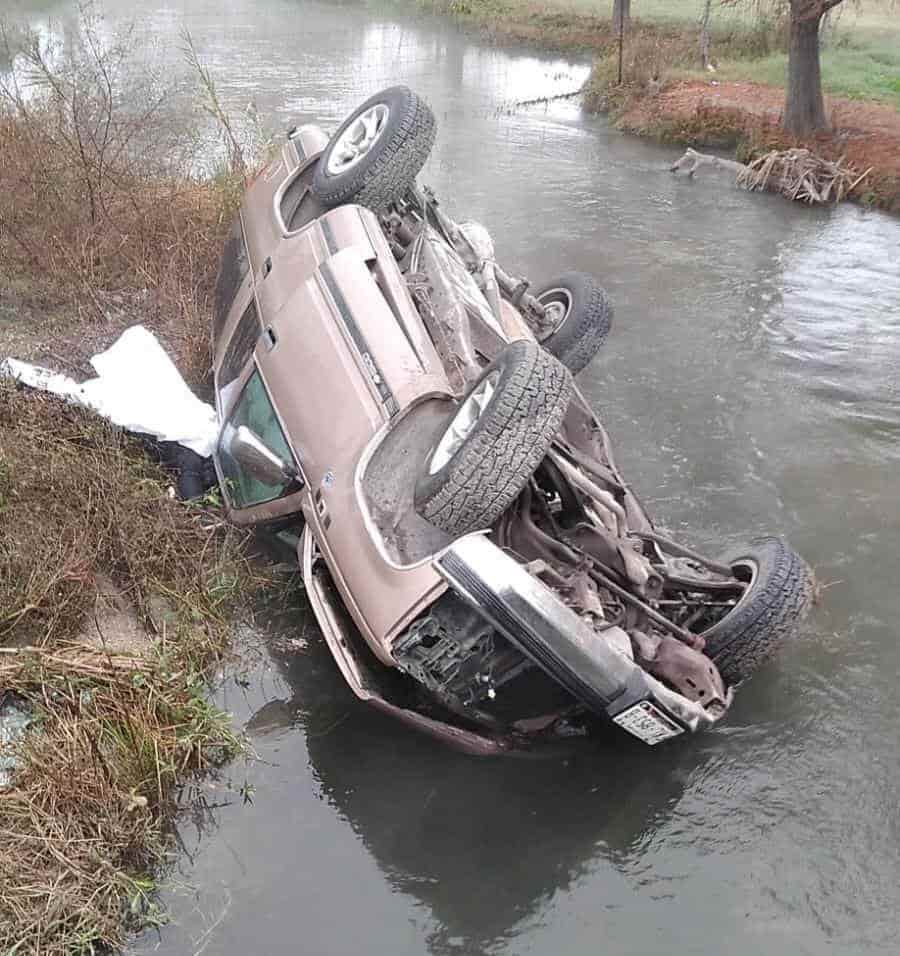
573 547
692 640
598 470
516 290
519 532
604 540
679 550
602 498
395 225
454 363
684 668
702 584
616 554
517 294
576 588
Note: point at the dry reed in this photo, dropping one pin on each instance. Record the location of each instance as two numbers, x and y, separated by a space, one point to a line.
102 225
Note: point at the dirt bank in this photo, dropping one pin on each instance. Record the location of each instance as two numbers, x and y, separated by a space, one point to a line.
662 49
748 115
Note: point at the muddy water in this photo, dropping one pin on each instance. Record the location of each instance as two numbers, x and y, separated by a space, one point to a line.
752 384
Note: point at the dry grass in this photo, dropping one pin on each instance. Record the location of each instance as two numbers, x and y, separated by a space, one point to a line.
655 53
751 30
102 224
647 60
81 829
87 818
79 498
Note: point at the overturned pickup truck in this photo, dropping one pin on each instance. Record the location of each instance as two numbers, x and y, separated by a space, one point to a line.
402 412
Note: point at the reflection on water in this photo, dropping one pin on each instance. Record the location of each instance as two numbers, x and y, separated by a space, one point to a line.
750 385
476 847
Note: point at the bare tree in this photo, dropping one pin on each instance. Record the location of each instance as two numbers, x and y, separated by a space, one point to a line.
804 108
621 14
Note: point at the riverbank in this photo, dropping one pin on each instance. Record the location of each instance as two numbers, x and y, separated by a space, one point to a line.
116 600
745 117
737 102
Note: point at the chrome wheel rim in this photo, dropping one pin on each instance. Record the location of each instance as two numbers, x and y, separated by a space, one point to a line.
464 422
357 140
557 305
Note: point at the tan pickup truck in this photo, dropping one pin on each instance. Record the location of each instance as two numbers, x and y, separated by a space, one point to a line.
403 412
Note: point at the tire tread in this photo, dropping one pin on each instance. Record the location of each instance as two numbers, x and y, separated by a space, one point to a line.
578 341
781 598
515 433
399 160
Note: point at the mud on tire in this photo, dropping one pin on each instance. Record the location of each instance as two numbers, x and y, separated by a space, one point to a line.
778 598
389 168
497 458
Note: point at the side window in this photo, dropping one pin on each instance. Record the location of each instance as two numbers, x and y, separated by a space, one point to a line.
232 270
254 410
241 345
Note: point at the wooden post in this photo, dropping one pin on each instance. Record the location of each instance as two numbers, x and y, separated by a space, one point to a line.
621 31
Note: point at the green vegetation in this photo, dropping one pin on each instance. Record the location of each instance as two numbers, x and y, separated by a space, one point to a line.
860 56
869 71
668 92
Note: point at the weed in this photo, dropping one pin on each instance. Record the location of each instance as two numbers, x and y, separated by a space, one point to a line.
83 826
102 224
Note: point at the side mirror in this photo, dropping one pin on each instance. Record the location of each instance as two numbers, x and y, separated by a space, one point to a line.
253 455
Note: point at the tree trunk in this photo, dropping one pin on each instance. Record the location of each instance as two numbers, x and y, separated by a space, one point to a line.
804 109
621 14
704 33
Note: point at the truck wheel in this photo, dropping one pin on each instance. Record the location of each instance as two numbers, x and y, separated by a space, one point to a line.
494 441
580 316
377 152
779 593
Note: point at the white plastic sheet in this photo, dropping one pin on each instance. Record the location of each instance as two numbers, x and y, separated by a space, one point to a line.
137 387
14 721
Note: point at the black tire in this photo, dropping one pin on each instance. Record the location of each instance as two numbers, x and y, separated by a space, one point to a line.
586 322
495 461
779 597
390 167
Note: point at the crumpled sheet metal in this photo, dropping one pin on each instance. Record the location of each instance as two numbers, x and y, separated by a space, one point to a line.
137 387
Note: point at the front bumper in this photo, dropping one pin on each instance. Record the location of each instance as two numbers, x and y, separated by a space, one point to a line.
531 616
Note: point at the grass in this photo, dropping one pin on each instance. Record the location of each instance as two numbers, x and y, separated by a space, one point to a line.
669 12
747 43
870 72
860 59
101 226
83 827
81 499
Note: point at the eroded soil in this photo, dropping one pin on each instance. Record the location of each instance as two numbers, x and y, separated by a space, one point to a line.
867 134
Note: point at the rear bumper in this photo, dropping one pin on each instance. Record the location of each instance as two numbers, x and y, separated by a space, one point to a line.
585 662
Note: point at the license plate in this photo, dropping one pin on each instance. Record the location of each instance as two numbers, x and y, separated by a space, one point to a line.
648 722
